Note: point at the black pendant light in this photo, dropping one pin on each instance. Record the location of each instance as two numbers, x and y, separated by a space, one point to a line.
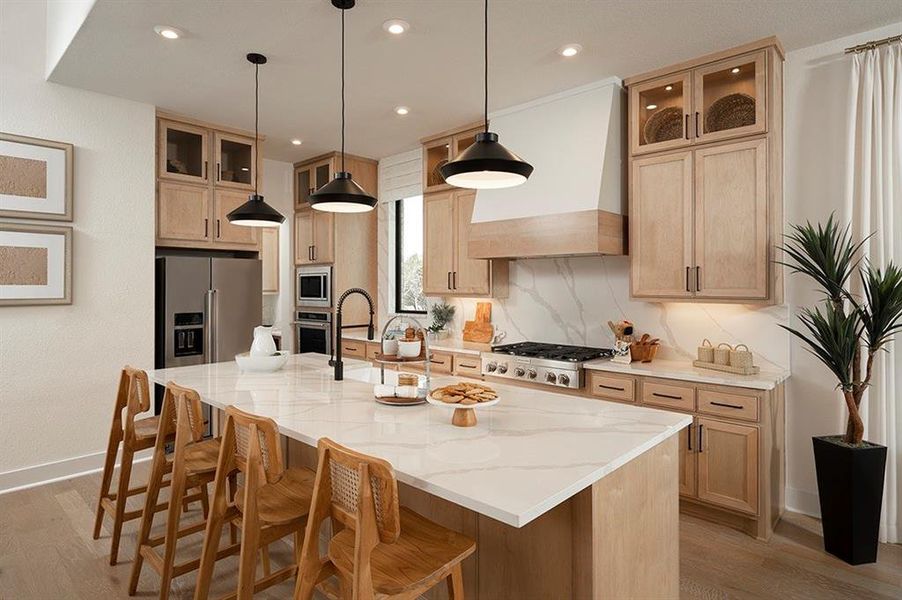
486 164
255 212
342 194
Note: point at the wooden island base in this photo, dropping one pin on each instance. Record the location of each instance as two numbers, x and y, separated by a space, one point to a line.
618 538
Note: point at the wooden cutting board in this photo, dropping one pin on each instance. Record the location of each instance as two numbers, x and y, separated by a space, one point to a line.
480 330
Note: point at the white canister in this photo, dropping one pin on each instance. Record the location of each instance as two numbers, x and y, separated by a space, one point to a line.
263 344
389 347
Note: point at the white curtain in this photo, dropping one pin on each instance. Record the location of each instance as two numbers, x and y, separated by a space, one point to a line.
874 204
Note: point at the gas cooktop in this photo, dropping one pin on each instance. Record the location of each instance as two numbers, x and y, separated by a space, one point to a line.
553 351
551 364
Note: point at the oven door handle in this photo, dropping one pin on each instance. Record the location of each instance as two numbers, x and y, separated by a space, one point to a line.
314 325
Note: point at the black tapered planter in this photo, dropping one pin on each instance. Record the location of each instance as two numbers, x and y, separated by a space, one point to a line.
850 487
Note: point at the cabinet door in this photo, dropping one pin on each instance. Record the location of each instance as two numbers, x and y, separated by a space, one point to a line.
225 233
688 461
730 98
661 226
323 237
303 186
728 464
182 152
269 254
438 242
236 161
322 173
731 238
303 237
435 154
470 275
659 113
183 212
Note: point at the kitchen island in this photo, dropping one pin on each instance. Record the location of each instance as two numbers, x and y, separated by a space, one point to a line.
567 497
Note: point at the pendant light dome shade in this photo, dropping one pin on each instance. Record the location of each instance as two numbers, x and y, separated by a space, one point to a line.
486 164
342 194
255 213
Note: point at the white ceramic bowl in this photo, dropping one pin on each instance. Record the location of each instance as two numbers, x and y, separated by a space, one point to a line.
262 364
409 349
390 347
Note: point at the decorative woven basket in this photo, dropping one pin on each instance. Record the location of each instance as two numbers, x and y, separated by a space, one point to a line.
706 351
666 124
741 358
407 379
722 355
730 112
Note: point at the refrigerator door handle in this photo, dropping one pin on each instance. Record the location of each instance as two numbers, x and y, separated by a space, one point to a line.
209 310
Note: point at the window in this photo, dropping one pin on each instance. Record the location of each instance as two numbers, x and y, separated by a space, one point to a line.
409 297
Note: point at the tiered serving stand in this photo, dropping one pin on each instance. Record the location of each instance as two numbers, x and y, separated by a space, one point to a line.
422 359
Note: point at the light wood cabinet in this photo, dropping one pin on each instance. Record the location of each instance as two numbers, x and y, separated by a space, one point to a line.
182 152
235 159
611 387
313 237
688 460
269 255
183 212
706 192
225 201
728 464
439 149
447 269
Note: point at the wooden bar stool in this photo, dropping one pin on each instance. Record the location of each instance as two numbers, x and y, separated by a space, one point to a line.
380 548
273 501
132 398
193 464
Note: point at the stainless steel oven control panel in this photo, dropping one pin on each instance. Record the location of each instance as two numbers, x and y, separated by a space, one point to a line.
548 372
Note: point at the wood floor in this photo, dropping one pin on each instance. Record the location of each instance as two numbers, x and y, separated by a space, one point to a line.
46 552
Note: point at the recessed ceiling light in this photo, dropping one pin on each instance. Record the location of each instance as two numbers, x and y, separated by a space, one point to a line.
668 88
402 110
170 33
396 26
735 70
570 50
296 142
652 106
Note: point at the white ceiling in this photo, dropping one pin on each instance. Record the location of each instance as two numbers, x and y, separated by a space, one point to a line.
435 68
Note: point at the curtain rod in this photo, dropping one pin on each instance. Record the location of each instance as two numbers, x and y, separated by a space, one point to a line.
874 44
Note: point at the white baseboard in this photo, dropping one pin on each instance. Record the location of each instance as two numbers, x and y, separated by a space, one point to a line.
28 477
803 501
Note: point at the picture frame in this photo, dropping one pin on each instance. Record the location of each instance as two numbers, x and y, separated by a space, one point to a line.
35 264
35 178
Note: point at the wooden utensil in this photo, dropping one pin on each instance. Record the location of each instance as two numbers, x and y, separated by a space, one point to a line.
481 329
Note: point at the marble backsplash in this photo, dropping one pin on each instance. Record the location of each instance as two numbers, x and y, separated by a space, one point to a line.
570 301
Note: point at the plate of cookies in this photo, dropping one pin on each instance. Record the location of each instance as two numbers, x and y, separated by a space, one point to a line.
463 398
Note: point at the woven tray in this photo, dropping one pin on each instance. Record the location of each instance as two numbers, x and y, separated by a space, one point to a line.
753 370
730 112
666 124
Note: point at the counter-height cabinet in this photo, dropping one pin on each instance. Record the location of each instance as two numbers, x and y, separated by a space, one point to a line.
705 189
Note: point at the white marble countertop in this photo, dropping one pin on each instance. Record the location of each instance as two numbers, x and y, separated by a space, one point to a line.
685 371
445 345
532 451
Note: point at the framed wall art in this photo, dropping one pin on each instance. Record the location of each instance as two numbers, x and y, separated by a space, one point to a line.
35 264
35 178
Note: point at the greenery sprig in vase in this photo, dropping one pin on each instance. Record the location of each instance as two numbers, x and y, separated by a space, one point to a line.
442 314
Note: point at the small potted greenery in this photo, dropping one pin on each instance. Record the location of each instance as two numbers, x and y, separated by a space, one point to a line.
442 314
846 336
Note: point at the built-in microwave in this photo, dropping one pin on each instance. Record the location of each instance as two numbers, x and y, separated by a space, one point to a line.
314 287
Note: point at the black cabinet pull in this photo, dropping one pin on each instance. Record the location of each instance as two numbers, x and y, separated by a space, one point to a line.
687 126
314 251
310 253
454 279
701 446
218 228
689 438
449 280
465 366
696 124
218 171
206 227
687 280
205 169
610 387
725 405
666 396
698 279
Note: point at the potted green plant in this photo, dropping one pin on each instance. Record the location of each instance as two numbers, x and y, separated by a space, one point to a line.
846 336
442 314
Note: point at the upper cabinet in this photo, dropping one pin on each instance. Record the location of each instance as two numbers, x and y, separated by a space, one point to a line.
438 150
706 178
310 176
203 172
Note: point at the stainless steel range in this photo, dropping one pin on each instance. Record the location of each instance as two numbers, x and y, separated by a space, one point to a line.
551 364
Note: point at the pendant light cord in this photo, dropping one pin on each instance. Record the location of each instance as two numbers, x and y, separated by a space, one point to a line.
486 68
342 89
256 125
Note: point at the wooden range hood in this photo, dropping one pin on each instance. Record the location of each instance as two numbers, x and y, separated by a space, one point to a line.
574 202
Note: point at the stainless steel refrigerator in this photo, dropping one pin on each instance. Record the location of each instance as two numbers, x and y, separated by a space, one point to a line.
206 309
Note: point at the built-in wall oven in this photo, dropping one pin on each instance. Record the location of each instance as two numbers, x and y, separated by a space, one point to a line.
314 332
314 287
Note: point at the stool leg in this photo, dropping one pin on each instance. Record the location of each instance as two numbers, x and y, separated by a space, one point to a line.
174 514
125 473
264 555
233 487
204 501
154 483
455 581
247 566
211 537
112 450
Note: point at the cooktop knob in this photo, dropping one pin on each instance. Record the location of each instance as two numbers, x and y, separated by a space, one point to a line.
491 367
502 369
550 378
519 371
564 379
531 373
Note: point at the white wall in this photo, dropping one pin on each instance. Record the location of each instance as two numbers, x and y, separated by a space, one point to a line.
816 100
277 190
59 365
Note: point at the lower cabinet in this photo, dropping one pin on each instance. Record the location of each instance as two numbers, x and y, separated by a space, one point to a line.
688 462
728 464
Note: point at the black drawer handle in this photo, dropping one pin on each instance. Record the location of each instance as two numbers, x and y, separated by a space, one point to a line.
725 405
689 437
610 387
436 362
701 444
467 366
666 396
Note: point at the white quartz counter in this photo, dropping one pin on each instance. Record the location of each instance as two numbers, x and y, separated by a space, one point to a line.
685 371
446 345
532 451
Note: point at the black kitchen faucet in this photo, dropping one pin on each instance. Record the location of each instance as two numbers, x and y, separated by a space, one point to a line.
370 332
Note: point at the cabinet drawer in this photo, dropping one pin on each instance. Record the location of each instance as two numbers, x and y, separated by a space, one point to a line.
728 404
668 395
353 349
470 366
622 389
440 362
373 351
